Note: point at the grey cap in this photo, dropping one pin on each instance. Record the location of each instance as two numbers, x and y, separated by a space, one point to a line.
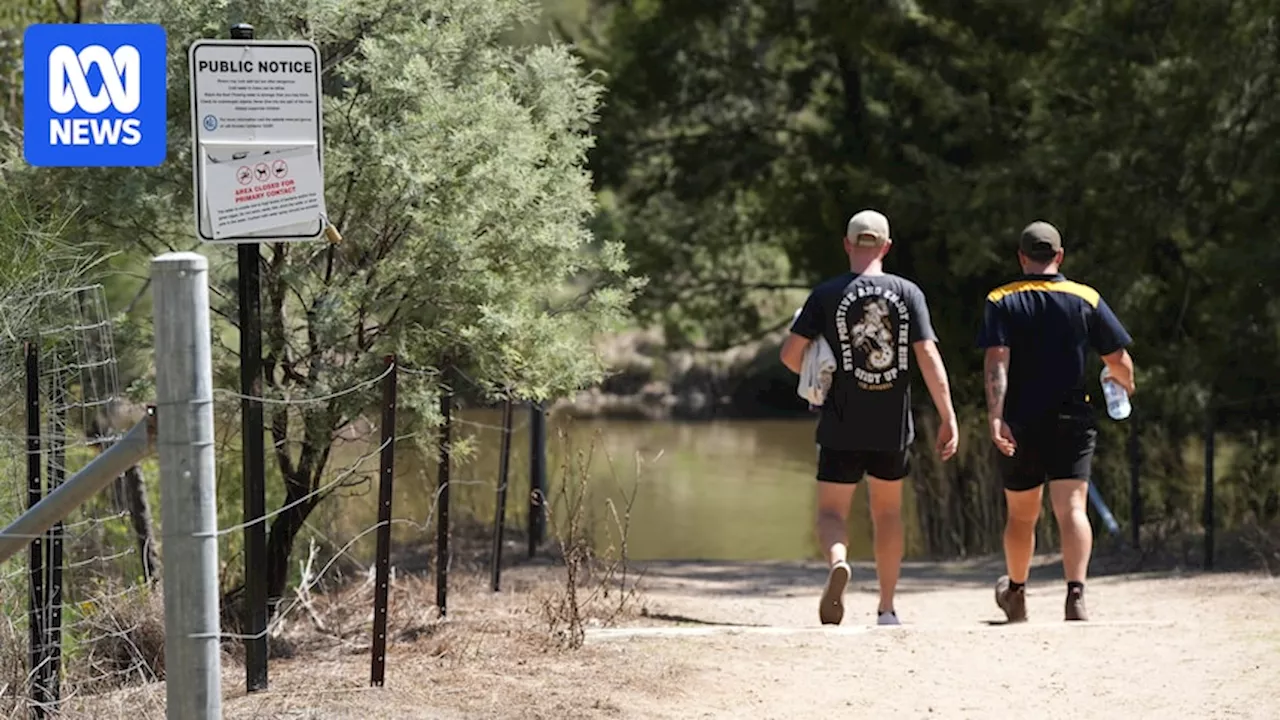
868 228
1040 241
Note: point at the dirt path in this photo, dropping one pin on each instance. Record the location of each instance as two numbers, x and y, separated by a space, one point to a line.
1156 647
742 641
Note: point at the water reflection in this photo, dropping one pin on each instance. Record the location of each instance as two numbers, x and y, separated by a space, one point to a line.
730 490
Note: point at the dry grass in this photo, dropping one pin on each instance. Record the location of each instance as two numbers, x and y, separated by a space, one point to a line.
321 645
114 641
321 648
1264 543
124 642
13 668
598 588
492 650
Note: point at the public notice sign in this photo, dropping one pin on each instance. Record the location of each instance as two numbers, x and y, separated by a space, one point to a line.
257 135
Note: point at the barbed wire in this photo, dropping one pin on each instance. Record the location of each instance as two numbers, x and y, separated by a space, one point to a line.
342 476
338 481
341 552
437 373
223 392
420 372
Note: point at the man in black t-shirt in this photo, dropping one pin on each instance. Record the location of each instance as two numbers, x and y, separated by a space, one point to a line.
1037 331
876 324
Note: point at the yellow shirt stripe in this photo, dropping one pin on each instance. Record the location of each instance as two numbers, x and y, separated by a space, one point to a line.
1084 292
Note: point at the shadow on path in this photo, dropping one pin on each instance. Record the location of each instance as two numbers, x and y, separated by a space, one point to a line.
686 620
789 579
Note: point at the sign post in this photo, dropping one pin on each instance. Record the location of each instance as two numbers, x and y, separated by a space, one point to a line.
258 175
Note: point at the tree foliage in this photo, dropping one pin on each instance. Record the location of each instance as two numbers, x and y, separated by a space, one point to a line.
737 130
738 136
39 263
456 172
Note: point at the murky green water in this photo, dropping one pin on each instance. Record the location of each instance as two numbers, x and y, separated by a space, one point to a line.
731 490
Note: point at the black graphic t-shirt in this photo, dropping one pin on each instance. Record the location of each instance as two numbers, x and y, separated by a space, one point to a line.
870 321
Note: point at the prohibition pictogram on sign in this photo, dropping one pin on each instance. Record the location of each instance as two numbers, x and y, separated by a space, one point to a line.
280 169
244 175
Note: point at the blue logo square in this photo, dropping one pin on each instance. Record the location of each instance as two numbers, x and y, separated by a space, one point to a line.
94 95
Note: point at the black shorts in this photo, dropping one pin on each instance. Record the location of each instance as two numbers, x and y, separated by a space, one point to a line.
848 466
1060 448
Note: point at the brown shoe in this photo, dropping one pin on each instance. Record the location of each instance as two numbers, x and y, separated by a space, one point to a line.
831 609
1012 602
1075 605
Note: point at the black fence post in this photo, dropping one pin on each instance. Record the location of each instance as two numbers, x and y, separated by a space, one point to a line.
500 512
36 609
537 476
248 259
442 498
1135 484
53 569
386 476
1209 432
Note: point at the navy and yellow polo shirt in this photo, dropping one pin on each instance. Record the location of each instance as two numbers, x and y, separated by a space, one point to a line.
1048 323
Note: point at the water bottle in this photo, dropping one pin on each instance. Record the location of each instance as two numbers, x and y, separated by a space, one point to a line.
1118 406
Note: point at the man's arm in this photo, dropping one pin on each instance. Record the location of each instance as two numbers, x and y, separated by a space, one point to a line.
1121 366
996 373
924 341
935 377
995 366
805 327
934 373
793 352
1110 339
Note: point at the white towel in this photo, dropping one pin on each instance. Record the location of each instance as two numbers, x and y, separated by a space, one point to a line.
816 370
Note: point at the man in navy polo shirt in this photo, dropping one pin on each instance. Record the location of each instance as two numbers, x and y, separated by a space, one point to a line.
1037 331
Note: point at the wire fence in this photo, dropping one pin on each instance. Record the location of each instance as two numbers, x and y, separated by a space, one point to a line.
83 610
337 549
361 493
62 634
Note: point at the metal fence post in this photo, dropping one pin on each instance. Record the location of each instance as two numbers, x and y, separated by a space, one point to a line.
53 568
442 499
35 491
537 476
1209 432
500 512
383 560
1135 485
184 399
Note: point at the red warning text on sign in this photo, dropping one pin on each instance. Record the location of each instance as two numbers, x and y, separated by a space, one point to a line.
274 189
236 209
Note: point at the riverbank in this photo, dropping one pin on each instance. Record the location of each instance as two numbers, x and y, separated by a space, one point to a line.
650 381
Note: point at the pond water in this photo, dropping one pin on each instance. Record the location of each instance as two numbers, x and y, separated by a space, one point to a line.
720 490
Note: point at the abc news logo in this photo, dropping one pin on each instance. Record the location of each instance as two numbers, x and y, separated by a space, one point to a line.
95 95
69 89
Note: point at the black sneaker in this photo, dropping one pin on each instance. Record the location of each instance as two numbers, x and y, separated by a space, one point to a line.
1075 610
1012 602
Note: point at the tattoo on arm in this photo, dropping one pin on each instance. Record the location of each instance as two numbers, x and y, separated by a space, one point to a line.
997 384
